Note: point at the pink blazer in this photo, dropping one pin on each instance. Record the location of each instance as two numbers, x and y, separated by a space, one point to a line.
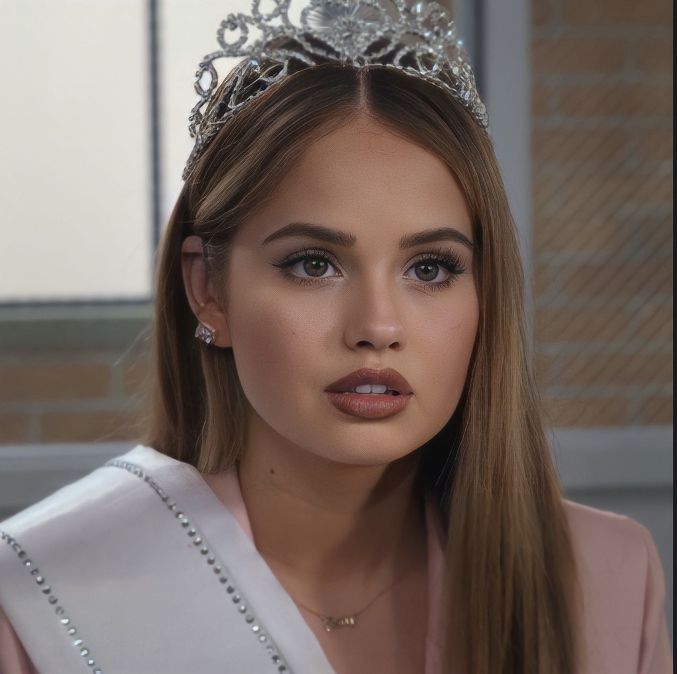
622 579
621 575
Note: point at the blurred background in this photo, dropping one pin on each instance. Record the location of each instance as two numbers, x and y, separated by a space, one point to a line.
580 101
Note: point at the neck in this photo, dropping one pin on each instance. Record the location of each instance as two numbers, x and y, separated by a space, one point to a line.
324 521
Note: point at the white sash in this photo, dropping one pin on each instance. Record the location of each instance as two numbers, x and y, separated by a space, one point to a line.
103 576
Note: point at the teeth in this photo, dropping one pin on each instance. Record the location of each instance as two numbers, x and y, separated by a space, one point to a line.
371 388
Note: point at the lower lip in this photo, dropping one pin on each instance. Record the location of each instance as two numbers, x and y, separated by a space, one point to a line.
369 405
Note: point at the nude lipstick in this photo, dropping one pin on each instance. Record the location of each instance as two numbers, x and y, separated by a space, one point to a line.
370 394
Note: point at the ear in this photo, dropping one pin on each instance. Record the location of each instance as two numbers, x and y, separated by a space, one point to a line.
199 290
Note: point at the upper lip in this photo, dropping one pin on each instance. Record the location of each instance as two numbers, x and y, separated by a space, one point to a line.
391 378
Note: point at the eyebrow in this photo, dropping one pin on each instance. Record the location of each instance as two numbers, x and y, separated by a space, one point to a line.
347 240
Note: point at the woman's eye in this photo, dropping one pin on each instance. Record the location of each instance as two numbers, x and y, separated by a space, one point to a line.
438 269
311 266
307 267
428 271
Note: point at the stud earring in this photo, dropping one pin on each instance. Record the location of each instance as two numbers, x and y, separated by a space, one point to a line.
205 334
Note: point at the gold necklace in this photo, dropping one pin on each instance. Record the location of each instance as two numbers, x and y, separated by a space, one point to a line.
331 622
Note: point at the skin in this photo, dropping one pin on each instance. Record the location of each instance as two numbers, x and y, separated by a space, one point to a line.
331 497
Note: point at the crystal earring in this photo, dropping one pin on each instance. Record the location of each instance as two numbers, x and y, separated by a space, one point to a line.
205 334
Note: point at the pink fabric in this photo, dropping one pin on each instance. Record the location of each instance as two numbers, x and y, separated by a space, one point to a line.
231 496
621 576
13 657
623 591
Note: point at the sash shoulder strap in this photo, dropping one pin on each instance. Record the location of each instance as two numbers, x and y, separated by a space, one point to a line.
108 574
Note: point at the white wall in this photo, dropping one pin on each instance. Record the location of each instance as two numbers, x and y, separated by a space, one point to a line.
74 175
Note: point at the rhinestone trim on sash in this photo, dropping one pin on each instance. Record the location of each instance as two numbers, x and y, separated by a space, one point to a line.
59 610
200 544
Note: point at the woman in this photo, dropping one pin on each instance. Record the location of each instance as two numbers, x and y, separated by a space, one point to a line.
347 470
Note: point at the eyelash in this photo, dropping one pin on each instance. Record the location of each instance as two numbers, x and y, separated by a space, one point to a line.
446 257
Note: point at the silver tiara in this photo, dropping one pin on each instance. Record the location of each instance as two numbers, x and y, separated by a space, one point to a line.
419 40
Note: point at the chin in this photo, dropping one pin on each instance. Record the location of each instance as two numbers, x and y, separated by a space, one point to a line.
367 458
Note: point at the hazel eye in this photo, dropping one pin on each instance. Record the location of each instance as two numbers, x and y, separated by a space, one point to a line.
431 269
432 263
313 266
307 266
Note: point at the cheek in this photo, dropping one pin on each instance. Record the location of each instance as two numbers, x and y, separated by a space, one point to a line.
277 341
449 341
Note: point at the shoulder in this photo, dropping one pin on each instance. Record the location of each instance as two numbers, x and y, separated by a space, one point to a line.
612 546
611 542
84 510
623 589
133 538
603 533
47 552
74 495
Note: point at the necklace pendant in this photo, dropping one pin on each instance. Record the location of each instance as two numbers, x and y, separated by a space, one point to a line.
332 623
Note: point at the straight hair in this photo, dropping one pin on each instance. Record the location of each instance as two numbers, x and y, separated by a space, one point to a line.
512 595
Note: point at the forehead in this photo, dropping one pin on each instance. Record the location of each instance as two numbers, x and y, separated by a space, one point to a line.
368 180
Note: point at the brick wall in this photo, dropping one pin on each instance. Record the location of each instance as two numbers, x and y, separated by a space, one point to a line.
71 381
602 209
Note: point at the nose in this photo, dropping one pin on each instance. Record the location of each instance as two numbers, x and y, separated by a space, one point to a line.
374 320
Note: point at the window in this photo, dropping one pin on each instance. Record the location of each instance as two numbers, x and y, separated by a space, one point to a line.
76 192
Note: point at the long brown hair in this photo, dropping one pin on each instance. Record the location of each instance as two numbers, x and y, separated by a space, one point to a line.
513 600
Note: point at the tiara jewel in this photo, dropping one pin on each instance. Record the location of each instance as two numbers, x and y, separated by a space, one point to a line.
419 40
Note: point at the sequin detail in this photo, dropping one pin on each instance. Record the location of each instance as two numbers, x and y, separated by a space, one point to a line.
201 545
52 599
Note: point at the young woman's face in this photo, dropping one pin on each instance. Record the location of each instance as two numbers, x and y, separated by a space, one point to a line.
304 312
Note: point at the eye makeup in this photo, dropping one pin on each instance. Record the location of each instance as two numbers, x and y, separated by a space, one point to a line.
446 258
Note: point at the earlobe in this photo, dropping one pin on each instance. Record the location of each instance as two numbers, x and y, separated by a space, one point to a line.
199 292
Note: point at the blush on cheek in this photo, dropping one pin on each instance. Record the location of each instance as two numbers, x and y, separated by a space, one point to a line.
451 342
267 350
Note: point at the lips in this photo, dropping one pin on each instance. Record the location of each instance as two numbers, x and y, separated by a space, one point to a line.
391 378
